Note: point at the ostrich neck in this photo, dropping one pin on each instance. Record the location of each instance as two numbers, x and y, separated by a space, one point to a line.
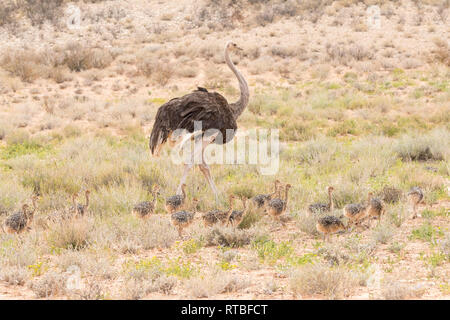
154 197
286 197
230 211
238 106
87 200
330 201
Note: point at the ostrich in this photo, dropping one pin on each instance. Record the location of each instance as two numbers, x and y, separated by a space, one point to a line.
323 207
21 220
328 225
145 208
176 202
215 216
415 196
79 209
375 209
276 207
183 219
259 199
357 212
237 216
211 110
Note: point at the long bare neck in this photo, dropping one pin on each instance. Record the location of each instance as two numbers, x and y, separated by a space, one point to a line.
286 197
74 200
154 197
33 200
330 201
246 208
238 106
183 191
87 200
230 210
275 191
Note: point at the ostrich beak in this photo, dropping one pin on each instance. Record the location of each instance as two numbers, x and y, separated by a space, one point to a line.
239 48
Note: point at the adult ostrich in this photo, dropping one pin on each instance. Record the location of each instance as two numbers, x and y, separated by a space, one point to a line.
210 109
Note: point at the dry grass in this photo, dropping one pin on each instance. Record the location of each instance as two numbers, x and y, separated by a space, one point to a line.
332 282
356 114
48 285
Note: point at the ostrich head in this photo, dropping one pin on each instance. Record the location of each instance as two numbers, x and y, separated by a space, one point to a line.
155 189
233 46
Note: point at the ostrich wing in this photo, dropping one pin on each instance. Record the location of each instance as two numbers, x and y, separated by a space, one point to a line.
180 113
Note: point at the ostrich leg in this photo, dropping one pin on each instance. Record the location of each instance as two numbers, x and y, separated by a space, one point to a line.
204 168
188 166
195 159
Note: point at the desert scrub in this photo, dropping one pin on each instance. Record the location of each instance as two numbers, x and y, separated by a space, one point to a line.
75 234
154 268
383 233
270 251
14 254
331 282
430 213
129 235
50 284
427 232
228 236
214 282
97 264
396 290
16 276
189 246
431 146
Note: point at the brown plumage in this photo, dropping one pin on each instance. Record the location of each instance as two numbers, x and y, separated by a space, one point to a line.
180 113
329 225
218 216
320 207
145 208
376 208
415 196
259 200
182 219
20 221
176 202
277 206
356 212
78 209
237 216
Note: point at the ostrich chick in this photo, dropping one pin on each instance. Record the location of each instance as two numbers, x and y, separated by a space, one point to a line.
217 216
356 212
329 225
79 209
260 199
176 202
237 216
18 221
415 196
145 208
183 219
276 207
376 208
320 207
